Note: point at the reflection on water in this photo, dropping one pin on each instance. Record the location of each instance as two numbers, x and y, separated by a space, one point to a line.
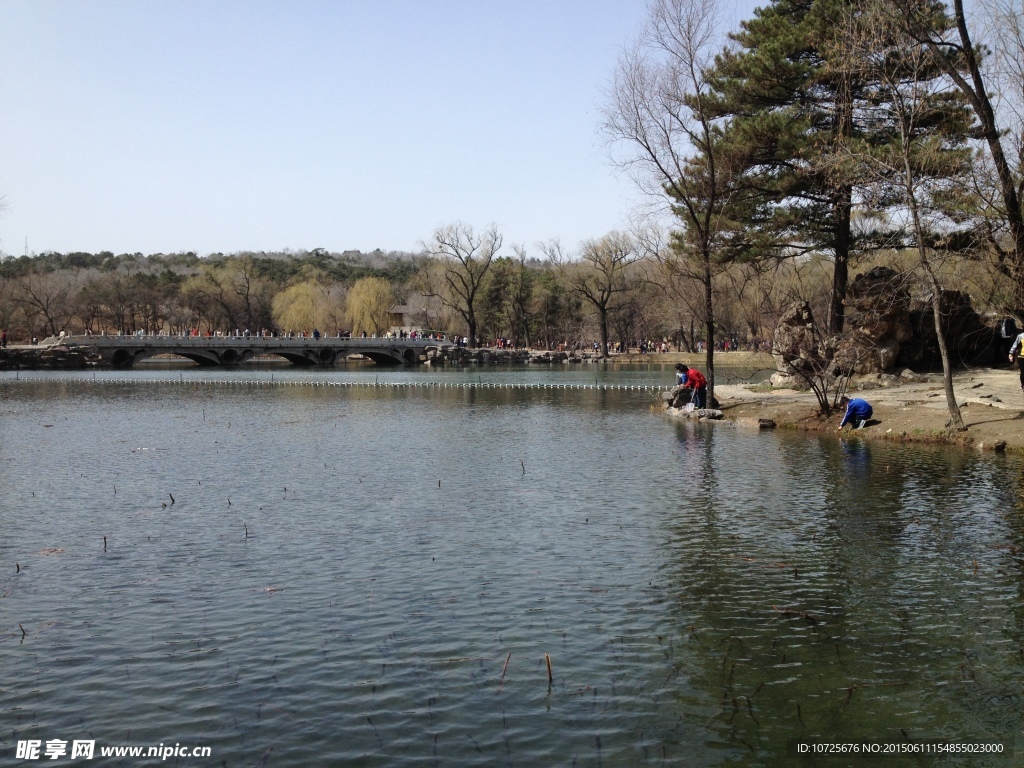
343 572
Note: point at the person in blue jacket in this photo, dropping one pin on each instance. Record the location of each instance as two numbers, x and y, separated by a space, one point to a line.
858 412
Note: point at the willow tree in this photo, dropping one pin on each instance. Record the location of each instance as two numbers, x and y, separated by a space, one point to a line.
662 110
370 301
314 303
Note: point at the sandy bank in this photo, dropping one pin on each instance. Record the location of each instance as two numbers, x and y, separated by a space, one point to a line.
991 402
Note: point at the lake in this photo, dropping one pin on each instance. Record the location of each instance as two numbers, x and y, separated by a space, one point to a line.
373 567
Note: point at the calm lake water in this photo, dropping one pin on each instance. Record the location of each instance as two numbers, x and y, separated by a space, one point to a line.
373 575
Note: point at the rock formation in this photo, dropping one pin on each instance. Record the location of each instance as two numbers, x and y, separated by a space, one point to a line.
887 329
55 358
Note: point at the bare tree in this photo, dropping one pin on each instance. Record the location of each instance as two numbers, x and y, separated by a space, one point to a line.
926 159
46 300
957 53
679 280
599 275
467 258
661 109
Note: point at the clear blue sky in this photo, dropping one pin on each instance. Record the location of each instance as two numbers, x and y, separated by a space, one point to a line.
202 125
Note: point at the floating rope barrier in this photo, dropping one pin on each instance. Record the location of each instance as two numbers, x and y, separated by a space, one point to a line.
356 384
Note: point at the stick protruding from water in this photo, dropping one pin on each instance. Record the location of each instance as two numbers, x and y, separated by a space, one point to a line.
504 668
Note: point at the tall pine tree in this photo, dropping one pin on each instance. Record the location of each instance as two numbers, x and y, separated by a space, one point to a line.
789 109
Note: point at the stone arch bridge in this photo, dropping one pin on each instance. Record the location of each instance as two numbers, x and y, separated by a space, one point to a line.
125 351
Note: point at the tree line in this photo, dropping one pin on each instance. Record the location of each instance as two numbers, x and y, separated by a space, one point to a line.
615 291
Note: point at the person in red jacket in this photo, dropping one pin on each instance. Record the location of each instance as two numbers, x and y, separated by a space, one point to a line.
694 379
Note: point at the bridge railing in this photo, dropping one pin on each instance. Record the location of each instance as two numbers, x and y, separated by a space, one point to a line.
107 340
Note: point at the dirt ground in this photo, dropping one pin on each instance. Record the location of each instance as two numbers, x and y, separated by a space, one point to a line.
991 402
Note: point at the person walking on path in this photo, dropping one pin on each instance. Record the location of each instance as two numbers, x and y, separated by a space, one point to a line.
858 412
1005 335
1016 357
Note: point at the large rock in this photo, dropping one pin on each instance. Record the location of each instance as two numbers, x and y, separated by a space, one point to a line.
967 336
800 350
887 329
878 322
55 358
794 337
678 397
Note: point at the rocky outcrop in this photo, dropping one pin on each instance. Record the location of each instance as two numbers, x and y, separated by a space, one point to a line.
51 358
879 323
799 348
678 398
887 329
699 414
967 336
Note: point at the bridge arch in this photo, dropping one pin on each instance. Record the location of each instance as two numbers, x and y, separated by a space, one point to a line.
122 358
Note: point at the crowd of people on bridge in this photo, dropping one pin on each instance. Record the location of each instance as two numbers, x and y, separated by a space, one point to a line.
642 346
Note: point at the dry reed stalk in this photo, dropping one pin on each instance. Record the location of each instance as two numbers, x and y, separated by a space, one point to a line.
506 665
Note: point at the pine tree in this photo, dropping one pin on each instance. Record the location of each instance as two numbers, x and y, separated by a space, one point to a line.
788 110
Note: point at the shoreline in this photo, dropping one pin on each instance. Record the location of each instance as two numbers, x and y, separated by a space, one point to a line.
991 403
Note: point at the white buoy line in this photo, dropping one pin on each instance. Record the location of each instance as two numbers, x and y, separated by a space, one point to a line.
349 384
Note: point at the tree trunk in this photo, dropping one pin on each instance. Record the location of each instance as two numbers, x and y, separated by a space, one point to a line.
841 270
709 315
956 421
603 315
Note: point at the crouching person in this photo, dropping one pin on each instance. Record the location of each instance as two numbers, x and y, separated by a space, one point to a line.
858 412
693 379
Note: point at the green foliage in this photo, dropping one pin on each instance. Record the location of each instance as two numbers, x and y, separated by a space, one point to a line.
788 107
370 301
